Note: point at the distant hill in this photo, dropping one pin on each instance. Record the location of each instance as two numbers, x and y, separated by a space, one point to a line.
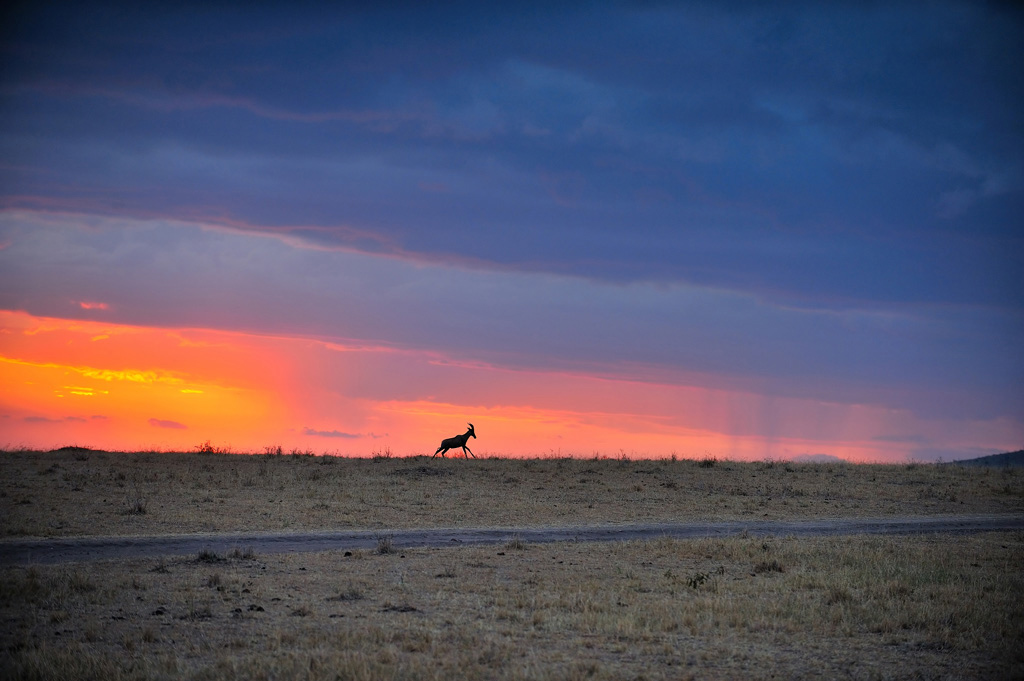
995 460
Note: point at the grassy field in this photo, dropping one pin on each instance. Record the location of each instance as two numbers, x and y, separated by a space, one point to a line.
849 608
89 493
862 607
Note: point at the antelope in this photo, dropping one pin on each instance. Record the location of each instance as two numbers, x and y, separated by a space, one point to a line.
457 441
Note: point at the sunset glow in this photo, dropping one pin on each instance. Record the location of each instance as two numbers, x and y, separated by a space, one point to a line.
122 387
612 230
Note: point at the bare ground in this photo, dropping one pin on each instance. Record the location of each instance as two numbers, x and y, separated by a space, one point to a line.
47 551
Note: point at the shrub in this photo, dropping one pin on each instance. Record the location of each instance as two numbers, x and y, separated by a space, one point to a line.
515 543
134 507
385 545
209 556
349 594
767 566
208 448
696 580
242 554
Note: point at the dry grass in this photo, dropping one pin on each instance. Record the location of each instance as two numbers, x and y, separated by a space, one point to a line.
855 607
71 494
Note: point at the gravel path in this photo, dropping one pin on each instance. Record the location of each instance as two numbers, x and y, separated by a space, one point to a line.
44 551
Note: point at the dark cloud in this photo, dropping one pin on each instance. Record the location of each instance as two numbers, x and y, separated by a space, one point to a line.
162 423
905 439
331 433
823 155
47 419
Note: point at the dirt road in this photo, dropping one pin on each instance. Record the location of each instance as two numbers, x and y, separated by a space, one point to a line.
44 551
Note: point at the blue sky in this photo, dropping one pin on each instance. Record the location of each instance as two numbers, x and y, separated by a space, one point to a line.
797 201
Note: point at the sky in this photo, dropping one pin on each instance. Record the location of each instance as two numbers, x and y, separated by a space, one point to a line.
744 230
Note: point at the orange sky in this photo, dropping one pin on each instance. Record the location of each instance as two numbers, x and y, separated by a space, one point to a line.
126 388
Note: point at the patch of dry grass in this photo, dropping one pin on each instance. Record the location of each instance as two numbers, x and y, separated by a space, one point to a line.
67 494
743 607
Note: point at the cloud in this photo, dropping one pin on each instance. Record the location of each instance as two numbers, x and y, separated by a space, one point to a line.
331 433
901 439
47 419
796 169
185 275
41 419
161 274
109 375
173 425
